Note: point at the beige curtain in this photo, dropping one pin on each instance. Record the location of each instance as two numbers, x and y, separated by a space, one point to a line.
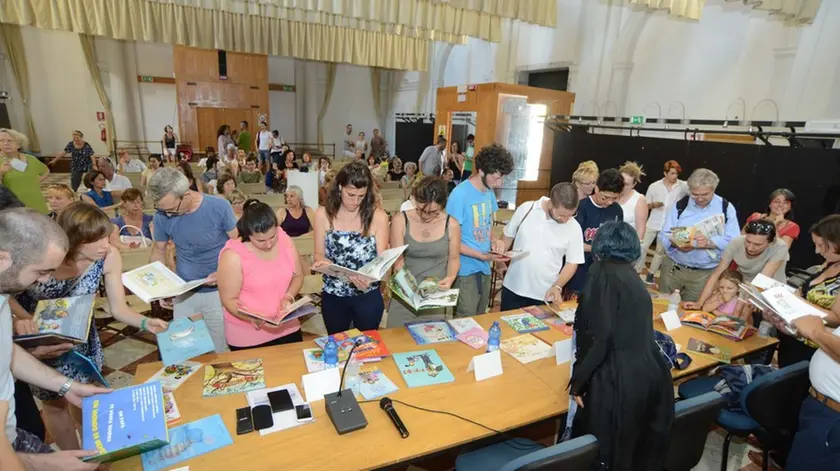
14 46
690 9
376 88
538 12
172 23
325 106
89 49
794 11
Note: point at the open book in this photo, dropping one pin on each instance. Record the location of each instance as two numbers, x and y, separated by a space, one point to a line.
63 320
299 308
425 295
728 326
780 303
709 227
154 281
372 271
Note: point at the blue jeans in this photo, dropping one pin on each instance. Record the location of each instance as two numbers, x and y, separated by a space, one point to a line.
816 445
511 300
364 311
265 156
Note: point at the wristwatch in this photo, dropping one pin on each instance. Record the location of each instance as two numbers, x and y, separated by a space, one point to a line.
65 388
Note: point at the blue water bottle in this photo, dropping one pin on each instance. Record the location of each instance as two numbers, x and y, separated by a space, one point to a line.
494 338
330 354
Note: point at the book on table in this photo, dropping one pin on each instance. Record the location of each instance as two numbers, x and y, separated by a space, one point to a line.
371 347
63 320
423 295
526 348
730 327
170 409
188 441
422 368
184 339
155 281
475 337
299 308
708 350
173 376
566 314
374 384
463 324
524 323
233 377
375 270
124 422
426 332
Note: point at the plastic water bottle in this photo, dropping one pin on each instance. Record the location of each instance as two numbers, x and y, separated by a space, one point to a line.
674 301
494 337
330 354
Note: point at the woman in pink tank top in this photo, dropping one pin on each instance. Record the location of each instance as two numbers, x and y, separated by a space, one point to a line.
260 272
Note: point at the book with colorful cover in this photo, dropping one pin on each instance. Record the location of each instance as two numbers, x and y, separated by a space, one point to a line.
475 337
423 295
299 308
705 349
524 323
371 348
526 348
538 312
84 365
730 327
567 313
173 376
422 368
373 271
426 332
63 320
374 384
124 423
170 409
314 358
463 324
186 338
155 281
188 441
560 325
233 377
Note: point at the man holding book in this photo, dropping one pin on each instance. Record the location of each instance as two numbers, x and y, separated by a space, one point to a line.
710 223
23 261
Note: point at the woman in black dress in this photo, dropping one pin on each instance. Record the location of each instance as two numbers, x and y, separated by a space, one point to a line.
620 381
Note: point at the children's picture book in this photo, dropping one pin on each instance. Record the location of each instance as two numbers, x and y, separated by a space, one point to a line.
299 308
372 271
463 324
565 313
370 349
524 323
233 377
728 326
155 281
781 303
188 441
538 312
475 337
124 423
63 320
314 358
682 236
424 295
422 368
526 348
763 282
173 376
374 383
560 325
704 349
186 338
84 365
170 408
426 332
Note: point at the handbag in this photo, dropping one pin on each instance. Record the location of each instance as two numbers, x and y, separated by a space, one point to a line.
668 349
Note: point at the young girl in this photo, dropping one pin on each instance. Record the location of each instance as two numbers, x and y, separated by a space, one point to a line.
725 300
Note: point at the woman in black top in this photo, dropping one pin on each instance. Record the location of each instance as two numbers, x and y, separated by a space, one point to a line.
455 161
620 380
186 169
82 159
169 141
395 170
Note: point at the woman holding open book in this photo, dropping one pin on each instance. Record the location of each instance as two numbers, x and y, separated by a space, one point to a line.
260 272
350 231
434 246
89 259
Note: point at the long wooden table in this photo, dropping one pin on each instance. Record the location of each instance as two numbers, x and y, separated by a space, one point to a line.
523 395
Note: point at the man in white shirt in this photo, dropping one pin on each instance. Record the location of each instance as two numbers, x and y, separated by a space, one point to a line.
349 142
661 195
116 183
25 259
431 160
128 164
546 231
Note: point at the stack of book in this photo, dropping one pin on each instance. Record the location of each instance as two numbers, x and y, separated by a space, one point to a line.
371 348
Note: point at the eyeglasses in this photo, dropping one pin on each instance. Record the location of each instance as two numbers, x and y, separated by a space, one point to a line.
761 228
171 214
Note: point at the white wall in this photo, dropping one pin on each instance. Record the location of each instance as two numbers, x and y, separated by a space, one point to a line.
158 102
351 102
282 105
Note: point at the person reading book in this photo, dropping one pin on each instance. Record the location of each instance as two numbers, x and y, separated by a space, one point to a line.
725 302
434 247
25 260
90 259
350 231
266 254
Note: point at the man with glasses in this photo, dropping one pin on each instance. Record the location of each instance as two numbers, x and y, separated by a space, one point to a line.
199 225
595 210
686 268
546 230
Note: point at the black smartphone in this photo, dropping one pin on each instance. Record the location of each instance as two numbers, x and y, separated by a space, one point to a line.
244 422
262 417
280 400
304 412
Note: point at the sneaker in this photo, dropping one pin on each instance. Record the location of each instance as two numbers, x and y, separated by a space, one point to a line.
649 279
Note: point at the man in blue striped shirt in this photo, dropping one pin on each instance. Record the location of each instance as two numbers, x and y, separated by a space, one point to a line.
687 267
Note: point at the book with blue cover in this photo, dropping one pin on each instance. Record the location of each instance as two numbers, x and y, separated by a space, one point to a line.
188 441
422 368
426 332
374 383
85 365
124 423
186 338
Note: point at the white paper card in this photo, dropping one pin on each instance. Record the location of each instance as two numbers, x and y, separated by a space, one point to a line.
282 420
671 320
462 97
487 365
563 351
462 89
315 385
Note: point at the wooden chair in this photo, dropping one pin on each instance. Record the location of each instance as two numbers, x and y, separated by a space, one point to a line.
496 232
134 178
252 189
392 206
272 199
392 194
503 216
390 185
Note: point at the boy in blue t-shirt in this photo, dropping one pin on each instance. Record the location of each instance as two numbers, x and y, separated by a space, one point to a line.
473 204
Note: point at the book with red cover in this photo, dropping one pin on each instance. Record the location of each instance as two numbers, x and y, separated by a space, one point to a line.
374 347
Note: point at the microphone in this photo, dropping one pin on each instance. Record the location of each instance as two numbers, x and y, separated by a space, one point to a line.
388 406
343 410
344 371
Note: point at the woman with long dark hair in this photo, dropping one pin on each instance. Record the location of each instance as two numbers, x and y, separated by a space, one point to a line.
780 211
350 231
186 169
223 138
169 142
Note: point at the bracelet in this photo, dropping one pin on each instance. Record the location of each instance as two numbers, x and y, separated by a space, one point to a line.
143 324
289 297
65 388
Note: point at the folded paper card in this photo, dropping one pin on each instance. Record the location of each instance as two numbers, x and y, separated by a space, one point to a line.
319 383
486 366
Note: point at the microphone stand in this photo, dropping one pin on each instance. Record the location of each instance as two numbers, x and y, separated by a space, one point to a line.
342 408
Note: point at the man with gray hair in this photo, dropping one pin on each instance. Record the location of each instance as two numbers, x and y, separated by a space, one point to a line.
199 225
25 259
687 267
115 183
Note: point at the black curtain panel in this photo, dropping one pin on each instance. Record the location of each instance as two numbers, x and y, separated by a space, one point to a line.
5 122
748 173
413 135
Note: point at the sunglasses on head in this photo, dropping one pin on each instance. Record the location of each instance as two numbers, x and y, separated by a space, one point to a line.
761 227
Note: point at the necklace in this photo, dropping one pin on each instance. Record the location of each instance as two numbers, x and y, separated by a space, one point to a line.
425 233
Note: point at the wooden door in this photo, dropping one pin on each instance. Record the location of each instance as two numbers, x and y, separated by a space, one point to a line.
210 119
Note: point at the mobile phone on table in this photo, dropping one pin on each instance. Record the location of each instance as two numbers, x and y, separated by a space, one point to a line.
304 412
244 421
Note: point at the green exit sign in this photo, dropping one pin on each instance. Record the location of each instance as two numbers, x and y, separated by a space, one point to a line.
147 78
637 120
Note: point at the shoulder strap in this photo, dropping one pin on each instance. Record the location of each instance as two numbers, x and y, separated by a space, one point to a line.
681 205
405 216
516 233
725 205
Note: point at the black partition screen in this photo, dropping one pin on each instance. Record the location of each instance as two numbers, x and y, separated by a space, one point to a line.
414 132
748 173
